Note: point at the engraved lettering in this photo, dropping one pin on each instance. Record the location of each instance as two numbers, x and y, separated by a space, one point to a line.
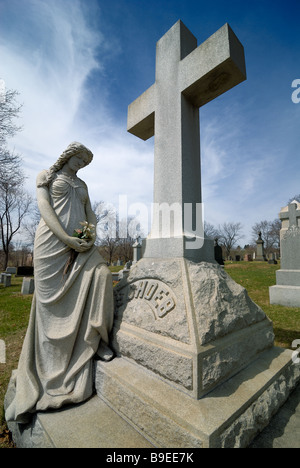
157 295
150 291
140 290
166 307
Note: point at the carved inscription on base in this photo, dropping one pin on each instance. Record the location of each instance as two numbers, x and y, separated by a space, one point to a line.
156 294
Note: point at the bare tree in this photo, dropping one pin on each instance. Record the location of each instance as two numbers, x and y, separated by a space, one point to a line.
210 231
9 110
295 197
14 201
229 235
107 234
31 225
14 206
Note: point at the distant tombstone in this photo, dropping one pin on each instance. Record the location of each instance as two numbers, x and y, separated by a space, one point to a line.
25 271
119 262
7 280
272 260
287 289
11 270
218 253
27 286
115 276
137 250
248 258
260 254
2 278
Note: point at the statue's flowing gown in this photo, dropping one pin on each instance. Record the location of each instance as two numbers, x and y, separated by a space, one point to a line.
69 316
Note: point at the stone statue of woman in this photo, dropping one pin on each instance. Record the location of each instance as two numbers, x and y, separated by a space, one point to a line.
72 309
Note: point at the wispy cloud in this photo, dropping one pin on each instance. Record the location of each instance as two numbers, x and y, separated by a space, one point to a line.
48 62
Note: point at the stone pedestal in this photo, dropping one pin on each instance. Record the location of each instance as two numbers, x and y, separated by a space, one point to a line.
228 417
189 323
196 365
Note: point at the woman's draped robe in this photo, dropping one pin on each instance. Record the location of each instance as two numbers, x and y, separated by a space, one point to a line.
69 315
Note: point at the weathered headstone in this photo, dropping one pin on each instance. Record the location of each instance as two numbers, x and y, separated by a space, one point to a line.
11 270
184 329
27 286
6 280
272 260
260 253
287 289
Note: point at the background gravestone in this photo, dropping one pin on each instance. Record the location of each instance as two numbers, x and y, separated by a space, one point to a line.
287 289
260 253
27 286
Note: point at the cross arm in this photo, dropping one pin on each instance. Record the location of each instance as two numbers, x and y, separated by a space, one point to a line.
140 121
295 214
216 66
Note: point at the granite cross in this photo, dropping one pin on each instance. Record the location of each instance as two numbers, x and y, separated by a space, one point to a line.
187 77
291 215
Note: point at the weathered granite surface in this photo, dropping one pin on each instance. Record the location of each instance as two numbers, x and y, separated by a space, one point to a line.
189 323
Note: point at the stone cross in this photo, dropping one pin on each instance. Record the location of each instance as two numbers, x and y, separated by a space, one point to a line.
291 215
187 77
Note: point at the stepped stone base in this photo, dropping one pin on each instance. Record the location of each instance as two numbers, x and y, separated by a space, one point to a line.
230 416
149 413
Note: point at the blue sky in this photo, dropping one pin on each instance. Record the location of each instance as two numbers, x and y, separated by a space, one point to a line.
78 64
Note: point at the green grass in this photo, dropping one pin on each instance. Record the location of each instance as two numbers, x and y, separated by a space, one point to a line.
14 316
257 277
254 276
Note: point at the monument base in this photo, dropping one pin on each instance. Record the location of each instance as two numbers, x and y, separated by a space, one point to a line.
228 417
288 296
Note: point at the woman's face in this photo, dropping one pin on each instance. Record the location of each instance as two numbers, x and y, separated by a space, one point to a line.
78 161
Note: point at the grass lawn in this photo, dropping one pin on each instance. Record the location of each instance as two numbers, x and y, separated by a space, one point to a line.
254 276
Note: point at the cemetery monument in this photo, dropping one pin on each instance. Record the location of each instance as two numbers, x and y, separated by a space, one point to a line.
260 252
196 365
287 289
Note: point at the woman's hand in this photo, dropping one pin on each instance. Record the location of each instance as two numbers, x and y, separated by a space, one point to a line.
79 245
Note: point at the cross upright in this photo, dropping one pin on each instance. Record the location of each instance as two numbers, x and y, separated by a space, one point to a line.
292 215
187 77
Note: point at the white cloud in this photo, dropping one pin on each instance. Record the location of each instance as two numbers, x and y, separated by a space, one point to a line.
48 62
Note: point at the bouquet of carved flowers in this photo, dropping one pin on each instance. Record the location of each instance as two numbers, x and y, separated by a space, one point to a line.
87 232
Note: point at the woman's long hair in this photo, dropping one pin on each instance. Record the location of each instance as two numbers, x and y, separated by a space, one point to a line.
73 149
